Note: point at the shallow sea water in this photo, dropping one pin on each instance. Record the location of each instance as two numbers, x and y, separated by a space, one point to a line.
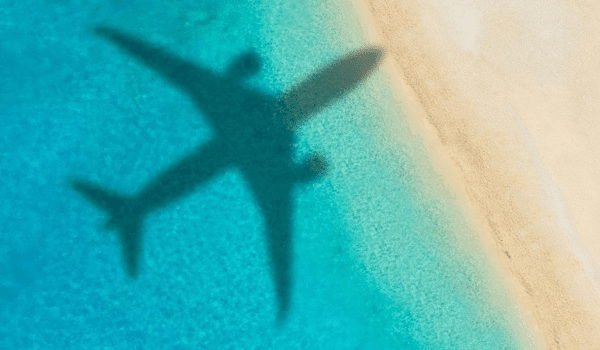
382 257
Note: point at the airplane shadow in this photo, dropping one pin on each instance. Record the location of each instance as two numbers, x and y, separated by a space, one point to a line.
254 132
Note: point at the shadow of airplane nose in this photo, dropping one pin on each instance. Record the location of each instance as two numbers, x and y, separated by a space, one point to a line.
367 57
352 69
329 84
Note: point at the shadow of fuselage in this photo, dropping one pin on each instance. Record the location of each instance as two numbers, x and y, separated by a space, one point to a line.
254 132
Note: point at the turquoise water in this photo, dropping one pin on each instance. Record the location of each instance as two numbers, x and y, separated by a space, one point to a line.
381 258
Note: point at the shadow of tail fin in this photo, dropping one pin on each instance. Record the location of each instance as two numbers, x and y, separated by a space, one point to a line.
123 218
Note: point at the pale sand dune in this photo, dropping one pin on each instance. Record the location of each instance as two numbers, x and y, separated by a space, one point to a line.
508 95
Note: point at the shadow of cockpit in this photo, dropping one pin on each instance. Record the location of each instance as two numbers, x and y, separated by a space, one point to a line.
254 132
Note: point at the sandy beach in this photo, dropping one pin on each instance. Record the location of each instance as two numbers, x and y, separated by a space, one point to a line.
507 96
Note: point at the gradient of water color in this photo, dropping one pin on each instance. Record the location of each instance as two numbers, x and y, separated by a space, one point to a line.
383 259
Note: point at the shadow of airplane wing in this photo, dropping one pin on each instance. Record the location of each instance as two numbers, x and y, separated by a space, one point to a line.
328 85
275 201
180 72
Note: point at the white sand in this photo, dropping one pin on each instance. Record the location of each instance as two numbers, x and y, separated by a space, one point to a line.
508 94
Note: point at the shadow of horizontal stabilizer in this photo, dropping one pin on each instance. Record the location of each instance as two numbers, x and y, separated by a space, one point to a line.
122 219
255 132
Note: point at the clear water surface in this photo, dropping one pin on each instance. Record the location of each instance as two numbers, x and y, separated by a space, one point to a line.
382 258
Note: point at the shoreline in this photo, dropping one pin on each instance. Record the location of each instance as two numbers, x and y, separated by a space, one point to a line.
480 124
